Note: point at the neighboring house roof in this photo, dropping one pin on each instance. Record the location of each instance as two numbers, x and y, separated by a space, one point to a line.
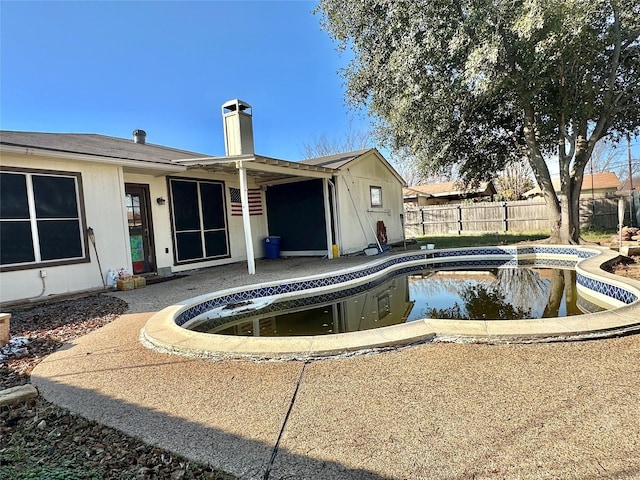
627 185
443 190
601 181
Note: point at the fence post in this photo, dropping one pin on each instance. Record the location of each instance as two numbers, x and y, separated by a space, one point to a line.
505 218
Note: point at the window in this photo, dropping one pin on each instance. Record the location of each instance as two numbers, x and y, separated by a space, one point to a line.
199 220
40 219
376 196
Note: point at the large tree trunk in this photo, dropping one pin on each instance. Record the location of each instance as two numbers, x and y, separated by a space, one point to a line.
555 295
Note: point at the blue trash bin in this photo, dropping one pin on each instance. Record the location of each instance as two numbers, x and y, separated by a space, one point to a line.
272 248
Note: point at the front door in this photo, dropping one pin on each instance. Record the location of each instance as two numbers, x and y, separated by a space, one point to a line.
140 231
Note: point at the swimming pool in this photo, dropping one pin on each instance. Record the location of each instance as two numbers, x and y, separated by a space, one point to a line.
164 331
506 293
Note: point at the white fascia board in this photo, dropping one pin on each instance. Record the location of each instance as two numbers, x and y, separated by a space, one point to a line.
262 164
159 168
290 169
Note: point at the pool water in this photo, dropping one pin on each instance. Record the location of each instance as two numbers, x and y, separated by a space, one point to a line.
499 293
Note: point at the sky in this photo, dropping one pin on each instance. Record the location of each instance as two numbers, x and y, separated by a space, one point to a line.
167 67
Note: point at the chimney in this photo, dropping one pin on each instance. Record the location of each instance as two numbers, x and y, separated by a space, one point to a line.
139 136
238 128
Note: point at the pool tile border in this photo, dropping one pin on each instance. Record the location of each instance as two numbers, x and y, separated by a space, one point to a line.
165 332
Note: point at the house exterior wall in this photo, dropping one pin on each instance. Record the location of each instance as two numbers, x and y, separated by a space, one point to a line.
103 194
161 215
364 173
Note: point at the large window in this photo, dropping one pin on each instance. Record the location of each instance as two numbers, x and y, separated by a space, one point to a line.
199 220
40 219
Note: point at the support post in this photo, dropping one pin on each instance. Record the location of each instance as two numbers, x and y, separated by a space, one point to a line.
327 216
246 219
505 217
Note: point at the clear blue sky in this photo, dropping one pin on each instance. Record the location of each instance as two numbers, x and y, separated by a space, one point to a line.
167 67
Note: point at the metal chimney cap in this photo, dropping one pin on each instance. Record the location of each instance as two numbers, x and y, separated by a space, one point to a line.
235 105
139 136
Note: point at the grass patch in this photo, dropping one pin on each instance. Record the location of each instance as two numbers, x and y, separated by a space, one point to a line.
481 239
597 235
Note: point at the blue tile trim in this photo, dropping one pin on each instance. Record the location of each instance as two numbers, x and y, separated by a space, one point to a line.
612 291
514 252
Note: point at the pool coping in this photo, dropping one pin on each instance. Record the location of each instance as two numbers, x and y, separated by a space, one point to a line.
163 334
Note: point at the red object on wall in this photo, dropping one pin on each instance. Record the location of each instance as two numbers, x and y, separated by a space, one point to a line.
381 232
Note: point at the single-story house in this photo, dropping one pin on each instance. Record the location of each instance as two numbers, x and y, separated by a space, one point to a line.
599 185
74 206
447 192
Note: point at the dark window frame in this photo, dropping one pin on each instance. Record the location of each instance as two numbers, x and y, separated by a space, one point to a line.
202 231
28 173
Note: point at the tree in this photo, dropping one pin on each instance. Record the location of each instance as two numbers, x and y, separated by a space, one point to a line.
483 84
514 180
356 139
352 140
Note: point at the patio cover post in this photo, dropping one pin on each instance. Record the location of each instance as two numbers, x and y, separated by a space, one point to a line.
246 219
327 216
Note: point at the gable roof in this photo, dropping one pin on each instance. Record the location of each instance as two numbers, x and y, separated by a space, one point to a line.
138 156
339 161
95 145
336 161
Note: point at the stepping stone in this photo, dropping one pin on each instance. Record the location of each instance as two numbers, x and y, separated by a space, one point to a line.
19 394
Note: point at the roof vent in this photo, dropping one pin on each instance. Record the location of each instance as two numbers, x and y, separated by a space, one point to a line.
139 136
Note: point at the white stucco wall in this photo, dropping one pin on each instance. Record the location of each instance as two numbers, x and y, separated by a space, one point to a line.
103 187
103 193
161 217
359 176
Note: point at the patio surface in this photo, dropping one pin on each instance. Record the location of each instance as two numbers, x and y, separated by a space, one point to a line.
434 411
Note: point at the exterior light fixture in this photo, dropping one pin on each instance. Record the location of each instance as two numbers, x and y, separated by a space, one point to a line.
160 201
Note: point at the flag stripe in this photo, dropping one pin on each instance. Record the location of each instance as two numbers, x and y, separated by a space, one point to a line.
255 201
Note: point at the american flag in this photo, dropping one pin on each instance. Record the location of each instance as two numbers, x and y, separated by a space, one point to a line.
255 202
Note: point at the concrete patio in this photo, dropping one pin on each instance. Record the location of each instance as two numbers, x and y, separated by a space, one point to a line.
433 411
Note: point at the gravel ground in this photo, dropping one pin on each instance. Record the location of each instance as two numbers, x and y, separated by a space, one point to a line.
40 440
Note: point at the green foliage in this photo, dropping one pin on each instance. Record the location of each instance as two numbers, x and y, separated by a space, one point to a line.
51 473
480 85
458 241
481 302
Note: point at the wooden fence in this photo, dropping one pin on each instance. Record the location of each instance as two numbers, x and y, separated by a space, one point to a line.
520 216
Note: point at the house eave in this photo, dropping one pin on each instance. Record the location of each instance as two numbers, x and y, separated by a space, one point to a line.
266 170
130 166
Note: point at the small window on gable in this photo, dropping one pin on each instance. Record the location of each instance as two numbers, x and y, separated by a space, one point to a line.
376 196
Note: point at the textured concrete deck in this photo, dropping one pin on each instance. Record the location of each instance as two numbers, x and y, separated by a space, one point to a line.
434 411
